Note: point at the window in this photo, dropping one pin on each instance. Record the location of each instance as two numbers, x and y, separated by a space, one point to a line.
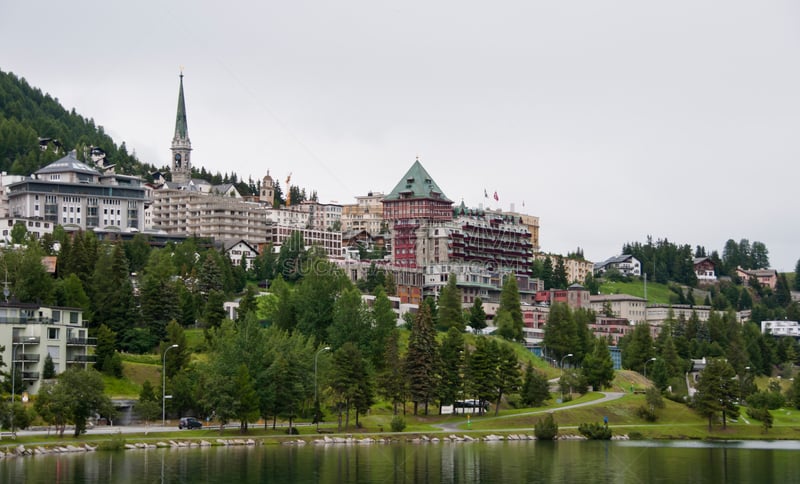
56 316
52 333
73 317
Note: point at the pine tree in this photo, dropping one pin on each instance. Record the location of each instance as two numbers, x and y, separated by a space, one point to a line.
391 380
598 368
451 356
507 374
384 322
49 370
477 316
535 388
510 302
421 360
482 368
451 315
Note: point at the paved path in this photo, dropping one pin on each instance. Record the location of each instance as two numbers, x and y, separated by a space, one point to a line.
607 397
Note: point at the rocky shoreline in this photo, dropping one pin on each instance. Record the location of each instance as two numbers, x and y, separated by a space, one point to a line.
22 451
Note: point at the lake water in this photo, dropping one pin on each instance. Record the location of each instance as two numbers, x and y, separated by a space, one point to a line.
494 462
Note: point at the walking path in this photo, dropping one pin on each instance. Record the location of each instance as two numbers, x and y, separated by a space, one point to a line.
607 397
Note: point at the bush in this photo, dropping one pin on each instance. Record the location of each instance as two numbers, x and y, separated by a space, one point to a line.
398 423
770 400
116 442
646 413
595 431
635 436
761 414
546 428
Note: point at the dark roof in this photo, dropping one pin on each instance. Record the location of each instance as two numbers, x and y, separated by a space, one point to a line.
68 164
417 183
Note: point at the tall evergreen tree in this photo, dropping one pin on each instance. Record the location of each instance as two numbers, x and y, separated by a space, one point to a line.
637 347
717 392
507 376
384 322
158 294
477 316
510 302
598 368
482 364
351 321
535 388
560 275
422 360
113 302
391 379
451 356
451 315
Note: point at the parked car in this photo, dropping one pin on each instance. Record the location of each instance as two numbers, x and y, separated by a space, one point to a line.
190 423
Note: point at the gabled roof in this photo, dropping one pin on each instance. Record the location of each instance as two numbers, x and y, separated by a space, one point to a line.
700 260
68 164
224 188
614 260
417 183
229 244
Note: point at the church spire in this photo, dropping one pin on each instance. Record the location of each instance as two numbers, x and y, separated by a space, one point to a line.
181 145
181 129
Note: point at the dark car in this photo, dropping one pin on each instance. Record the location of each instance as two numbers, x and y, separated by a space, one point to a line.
190 423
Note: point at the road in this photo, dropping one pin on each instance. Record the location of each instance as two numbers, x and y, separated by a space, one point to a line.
172 427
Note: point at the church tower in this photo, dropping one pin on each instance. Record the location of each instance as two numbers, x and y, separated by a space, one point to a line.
267 190
181 146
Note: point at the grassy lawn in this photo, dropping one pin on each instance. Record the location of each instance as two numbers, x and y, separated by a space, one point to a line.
656 293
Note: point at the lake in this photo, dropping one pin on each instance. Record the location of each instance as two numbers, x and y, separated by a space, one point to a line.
512 462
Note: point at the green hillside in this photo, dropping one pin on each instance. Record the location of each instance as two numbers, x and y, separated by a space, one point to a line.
656 293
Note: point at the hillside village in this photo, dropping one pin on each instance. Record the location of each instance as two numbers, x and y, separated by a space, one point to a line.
420 245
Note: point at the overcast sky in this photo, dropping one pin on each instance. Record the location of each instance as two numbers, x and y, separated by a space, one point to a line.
610 120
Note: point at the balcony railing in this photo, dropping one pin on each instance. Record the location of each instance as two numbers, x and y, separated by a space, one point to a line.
30 375
27 357
81 359
26 340
81 341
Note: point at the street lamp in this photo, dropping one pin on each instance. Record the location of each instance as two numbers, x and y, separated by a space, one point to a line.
13 389
164 386
645 366
316 400
562 373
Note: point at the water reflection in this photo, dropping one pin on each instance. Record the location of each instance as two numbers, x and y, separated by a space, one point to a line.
568 461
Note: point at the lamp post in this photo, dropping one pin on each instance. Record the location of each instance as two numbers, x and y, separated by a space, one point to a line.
562 374
316 398
13 389
164 386
645 366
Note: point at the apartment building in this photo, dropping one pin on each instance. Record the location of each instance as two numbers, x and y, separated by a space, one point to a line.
31 332
71 193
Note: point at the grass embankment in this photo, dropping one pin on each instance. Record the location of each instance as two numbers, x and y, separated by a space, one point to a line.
656 293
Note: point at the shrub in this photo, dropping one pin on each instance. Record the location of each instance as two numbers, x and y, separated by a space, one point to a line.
761 414
646 413
398 423
635 436
595 431
116 442
770 400
546 428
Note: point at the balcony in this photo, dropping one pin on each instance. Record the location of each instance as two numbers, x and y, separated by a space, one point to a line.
25 357
81 358
26 340
81 341
30 375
